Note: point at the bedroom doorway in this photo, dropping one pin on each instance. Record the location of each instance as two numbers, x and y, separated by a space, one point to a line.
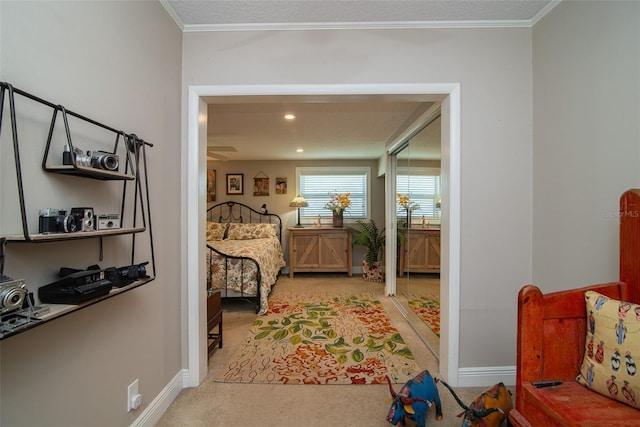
194 206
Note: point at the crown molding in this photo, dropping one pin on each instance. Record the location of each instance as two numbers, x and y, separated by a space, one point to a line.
172 13
396 25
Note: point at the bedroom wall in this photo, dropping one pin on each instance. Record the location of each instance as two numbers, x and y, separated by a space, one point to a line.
118 63
279 203
586 150
493 67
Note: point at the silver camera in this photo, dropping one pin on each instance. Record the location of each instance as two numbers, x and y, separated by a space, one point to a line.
92 159
12 295
104 160
82 159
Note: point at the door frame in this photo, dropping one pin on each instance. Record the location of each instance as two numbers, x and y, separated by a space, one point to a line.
194 206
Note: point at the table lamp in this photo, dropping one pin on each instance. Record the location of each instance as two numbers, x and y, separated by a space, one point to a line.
298 202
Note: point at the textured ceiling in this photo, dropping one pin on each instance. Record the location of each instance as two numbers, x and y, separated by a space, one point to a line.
331 13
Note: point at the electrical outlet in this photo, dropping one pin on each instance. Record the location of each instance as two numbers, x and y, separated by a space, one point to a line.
133 396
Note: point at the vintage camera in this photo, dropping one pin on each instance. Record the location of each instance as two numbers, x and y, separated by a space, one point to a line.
124 276
84 218
82 159
13 295
104 160
107 222
57 221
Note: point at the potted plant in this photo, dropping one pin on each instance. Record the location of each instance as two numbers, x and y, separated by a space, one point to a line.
369 235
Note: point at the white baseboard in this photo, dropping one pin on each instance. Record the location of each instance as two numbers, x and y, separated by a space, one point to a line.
153 412
486 376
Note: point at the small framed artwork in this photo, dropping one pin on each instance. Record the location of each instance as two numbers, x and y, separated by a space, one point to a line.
281 185
260 186
211 185
235 183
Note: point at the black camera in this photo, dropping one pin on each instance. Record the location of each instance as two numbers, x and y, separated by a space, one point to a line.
57 221
104 160
124 276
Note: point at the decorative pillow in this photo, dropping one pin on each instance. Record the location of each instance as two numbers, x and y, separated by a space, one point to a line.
215 230
239 231
611 349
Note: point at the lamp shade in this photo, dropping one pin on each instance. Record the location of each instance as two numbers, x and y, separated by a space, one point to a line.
298 202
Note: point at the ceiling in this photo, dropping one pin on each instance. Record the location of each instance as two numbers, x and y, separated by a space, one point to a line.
253 128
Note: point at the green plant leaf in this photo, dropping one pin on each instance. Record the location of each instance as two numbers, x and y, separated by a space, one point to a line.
357 355
281 334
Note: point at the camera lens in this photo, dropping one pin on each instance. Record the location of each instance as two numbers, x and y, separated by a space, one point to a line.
12 297
67 223
109 162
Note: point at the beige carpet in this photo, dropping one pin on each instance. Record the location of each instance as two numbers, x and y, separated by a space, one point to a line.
232 404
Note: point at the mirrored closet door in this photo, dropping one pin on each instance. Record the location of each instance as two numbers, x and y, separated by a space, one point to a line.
417 209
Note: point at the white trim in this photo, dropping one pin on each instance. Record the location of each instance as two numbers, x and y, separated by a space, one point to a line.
486 376
389 25
172 13
194 180
153 412
544 11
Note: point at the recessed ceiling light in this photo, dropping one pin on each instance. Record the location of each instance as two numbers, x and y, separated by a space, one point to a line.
289 116
299 150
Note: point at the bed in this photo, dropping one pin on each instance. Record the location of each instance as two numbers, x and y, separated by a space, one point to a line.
244 253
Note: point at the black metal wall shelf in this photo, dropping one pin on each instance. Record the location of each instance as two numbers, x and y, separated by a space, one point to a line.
134 161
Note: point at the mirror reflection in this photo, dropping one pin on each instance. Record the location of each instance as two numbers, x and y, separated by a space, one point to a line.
418 217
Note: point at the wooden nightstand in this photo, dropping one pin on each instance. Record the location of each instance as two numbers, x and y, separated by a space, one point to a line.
214 319
319 249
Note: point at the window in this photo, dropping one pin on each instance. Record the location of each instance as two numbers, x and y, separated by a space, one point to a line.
318 184
423 187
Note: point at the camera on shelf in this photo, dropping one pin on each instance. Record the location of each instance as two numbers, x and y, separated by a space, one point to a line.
84 218
107 222
13 295
93 159
81 158
104 160
57 221
124 276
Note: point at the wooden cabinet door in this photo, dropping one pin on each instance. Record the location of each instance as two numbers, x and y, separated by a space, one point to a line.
433 252
306 251
333 251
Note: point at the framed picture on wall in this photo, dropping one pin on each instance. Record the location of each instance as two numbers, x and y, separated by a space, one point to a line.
260 186
281 185
211 185
235 183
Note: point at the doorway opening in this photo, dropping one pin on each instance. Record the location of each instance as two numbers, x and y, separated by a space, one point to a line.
194 207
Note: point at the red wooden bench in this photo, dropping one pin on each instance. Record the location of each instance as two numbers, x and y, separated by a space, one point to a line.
551 340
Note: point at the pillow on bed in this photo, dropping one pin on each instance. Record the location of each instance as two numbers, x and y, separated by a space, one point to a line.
215 230
612 348
239 231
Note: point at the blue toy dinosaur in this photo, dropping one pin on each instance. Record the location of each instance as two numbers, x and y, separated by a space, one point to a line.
414 400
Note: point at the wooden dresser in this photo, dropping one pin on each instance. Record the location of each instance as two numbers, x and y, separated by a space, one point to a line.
421 252
319 249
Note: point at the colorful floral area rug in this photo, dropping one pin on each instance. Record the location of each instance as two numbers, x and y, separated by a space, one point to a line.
428 309
316 339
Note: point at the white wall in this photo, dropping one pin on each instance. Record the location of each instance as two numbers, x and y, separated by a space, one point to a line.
118 63
493 67
586 151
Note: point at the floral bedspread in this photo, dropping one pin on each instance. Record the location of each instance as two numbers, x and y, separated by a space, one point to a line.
266 252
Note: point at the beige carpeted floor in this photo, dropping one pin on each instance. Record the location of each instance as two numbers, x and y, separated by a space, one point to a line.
230 404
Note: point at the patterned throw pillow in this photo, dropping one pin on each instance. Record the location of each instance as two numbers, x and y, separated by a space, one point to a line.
239 231
215 230
612 348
